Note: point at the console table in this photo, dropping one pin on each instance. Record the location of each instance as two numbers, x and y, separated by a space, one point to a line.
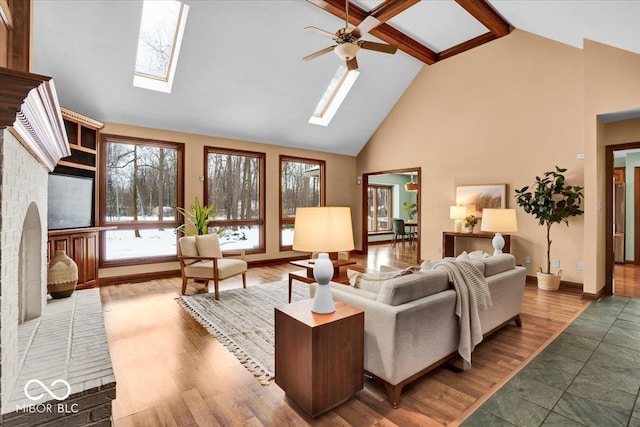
319 358
449 241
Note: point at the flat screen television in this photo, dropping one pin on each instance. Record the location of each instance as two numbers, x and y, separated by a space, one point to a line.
70 202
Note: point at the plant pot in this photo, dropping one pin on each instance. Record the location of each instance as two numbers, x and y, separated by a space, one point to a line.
62 276
468 230
549 282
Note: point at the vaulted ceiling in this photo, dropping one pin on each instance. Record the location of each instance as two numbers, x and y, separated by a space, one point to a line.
241 75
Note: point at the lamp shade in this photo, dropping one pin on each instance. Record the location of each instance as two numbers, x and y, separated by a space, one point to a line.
499 220
323 229
457 212
411 186
346 51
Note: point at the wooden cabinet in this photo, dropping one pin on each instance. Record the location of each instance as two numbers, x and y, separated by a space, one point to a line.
81 245
319 358
619 174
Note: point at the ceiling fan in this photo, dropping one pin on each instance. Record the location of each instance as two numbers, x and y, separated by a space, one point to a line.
348 41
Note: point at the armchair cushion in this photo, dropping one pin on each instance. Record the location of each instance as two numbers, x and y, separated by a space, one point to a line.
188 248
227 267
208 246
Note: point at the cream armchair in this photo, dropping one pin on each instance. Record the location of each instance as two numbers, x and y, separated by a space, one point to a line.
201 258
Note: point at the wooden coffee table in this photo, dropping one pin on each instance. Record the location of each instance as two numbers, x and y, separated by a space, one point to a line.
306 275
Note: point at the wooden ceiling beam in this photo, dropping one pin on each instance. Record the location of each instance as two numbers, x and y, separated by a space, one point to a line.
464 46
404 43
390 8
483 12
383 31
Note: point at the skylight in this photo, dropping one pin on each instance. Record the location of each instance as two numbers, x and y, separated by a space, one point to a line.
161 29
338 88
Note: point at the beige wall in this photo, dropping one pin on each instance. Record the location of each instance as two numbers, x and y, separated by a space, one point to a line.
612 83
340 171
501 113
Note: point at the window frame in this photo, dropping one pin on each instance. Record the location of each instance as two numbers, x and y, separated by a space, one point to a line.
261 221
323 199
389 189
130 225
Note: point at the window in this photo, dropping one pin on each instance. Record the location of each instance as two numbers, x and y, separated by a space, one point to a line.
235 183
141 187
338 88
379 208
301 185
161 29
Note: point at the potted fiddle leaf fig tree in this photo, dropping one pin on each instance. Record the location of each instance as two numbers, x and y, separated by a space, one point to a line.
550 200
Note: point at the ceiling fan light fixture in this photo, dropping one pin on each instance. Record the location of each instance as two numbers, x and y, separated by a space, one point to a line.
346 51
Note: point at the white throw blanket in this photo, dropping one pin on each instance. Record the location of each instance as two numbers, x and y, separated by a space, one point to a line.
471 291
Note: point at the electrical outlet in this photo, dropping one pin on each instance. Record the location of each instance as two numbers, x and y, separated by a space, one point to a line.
438 249
555 262
527 259
580 266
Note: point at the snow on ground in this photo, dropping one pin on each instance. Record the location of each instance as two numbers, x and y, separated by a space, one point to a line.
122 244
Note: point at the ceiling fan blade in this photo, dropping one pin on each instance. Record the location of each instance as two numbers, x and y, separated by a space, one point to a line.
318 53
352 64
321 32
378 47
368 24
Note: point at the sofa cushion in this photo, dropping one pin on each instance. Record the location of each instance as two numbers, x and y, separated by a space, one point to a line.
372 282
410 287
498 263
208 246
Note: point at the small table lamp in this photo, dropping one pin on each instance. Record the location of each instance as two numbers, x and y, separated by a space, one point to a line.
323 229
459 213
499 221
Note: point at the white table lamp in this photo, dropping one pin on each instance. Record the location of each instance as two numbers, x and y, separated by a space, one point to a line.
323 229
499 221
459 213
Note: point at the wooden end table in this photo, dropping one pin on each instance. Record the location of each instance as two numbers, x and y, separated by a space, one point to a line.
306 275
319 358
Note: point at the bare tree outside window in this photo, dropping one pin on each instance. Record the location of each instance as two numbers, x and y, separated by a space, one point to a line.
301 185
142 189
235 185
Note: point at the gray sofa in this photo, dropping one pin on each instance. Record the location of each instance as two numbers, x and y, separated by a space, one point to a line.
410 323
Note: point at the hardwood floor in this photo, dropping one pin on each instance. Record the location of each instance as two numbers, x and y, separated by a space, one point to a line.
627 280
171 372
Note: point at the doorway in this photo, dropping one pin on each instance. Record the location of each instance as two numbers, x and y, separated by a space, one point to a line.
622 260
388 195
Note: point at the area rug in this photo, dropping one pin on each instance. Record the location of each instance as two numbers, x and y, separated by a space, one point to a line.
243 321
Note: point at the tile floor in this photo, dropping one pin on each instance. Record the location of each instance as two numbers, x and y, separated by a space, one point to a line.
589 375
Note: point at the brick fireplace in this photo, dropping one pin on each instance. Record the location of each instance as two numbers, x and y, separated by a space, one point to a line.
54 357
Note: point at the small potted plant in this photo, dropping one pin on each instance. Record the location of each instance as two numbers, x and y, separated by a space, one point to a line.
469 223
410 208
550 200
198 218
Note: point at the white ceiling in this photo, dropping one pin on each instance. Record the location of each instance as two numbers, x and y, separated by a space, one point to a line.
240 74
